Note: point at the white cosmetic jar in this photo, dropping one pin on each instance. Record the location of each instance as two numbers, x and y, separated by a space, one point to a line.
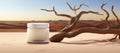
38 32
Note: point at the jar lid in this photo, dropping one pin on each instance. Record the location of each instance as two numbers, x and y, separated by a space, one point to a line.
38 25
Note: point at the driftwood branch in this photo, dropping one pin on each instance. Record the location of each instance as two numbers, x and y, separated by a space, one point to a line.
107 13
81 6
112 9
53 10
67 31
75 19
74 8
117 19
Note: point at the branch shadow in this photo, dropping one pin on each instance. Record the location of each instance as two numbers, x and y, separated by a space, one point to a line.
86 42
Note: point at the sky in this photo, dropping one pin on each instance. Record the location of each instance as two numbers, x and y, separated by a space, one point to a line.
11 10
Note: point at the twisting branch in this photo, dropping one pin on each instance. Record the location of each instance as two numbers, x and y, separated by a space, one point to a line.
112 9
75 19
64 15
81 6
108 24
74 8
87 12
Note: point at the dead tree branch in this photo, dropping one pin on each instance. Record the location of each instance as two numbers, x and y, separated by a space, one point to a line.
116 26
106 19
75 19
74 8
112 9
81 6
53 10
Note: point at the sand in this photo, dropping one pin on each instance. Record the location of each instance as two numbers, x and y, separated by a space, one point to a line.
16 42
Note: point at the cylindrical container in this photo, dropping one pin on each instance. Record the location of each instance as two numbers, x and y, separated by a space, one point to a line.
38 33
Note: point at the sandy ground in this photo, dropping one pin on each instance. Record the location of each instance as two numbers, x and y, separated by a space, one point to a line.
16 42
12 30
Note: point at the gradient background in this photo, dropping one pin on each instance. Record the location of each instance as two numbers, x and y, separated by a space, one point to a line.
22 10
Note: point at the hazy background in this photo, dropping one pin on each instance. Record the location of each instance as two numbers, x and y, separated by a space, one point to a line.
12 10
